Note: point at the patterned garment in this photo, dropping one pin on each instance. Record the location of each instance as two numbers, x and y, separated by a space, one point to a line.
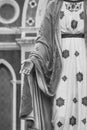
70 102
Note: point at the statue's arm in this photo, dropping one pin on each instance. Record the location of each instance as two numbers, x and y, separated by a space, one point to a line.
39 58
43 44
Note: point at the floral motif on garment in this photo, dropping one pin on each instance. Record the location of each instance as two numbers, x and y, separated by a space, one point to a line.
84 121
75 100
76 53
65 54
60 102
59 124
79 77
72 121
84 101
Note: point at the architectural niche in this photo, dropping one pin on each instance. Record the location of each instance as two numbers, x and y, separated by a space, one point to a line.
12 72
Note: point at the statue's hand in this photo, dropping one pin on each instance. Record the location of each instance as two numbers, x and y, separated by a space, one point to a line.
27 67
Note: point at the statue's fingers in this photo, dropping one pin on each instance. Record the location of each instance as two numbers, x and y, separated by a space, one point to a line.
28 72
21 71
24 71
31 66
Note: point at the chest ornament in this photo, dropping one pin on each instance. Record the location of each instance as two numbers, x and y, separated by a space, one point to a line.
81 15
74 24
61 14
73 7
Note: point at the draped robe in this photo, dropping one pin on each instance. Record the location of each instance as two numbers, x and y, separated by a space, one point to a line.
40 86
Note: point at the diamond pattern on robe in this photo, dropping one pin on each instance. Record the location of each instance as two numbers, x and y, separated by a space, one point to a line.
84 101
64 78
60 102
74 24
81 15
72 121
65 54
59 124
84 121
76 53
79 77
61 14
75 100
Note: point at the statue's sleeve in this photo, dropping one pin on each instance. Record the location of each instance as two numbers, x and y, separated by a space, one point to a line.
42 55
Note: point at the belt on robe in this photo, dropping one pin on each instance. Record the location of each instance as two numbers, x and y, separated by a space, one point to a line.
68 35
85 21
73 1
